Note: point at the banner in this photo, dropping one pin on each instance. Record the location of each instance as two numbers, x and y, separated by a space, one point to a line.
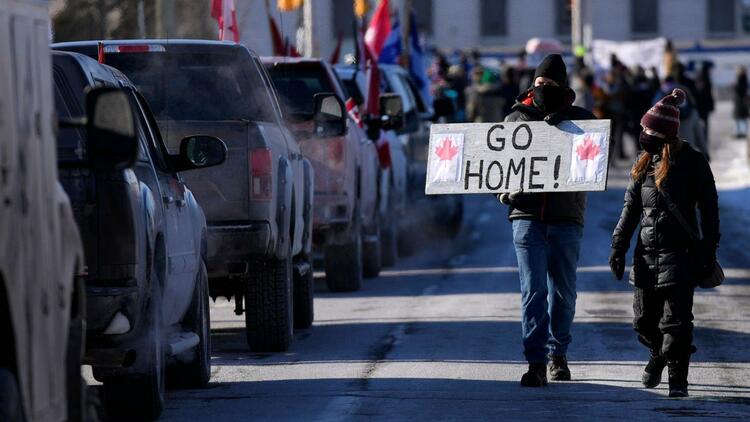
646 53
505 157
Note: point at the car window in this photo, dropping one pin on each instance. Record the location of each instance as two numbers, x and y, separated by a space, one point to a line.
221 85
71 141
409 82
296 87
150 137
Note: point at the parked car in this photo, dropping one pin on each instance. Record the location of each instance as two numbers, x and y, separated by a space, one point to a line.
42 296
259 203
444 211
393 199
144 236
346 223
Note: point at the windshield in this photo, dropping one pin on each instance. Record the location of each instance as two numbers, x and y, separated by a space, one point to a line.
296 88
197 86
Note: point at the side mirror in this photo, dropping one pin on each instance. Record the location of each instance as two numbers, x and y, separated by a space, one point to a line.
330 115
110 127
198 152
391 112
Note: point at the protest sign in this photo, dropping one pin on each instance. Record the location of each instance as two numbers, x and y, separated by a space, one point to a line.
505 157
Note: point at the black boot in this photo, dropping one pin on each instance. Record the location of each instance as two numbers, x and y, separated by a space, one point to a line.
678 373
536 376
558 368
654 368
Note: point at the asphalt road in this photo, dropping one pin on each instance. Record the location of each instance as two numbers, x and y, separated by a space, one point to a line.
438 337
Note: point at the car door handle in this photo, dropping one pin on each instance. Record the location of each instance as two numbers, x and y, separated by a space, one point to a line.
168 199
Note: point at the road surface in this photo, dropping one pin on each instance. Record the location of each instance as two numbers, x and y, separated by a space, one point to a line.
438 337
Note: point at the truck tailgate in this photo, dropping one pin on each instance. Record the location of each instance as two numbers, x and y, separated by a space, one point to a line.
222 191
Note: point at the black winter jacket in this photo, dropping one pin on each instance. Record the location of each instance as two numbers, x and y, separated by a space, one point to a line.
549 207
664 254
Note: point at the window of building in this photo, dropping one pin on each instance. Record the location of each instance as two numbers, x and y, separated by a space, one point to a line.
423 15
644 16
343 18
745 6
563 17
493 18
721 15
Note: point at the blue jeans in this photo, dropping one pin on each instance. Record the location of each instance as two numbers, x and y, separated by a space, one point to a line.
547 257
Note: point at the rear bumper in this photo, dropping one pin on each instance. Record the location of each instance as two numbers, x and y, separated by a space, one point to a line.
231 248
102 303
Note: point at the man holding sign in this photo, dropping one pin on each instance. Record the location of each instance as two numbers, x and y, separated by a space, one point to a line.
540 161
547 229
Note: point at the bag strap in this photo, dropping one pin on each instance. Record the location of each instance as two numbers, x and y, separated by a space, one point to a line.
678 215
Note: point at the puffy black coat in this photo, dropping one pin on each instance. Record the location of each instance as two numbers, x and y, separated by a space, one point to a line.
550 207
664 254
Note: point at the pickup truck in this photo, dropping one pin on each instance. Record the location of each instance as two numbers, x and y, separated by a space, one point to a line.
42 295
346 224
144 237
442 211
394 184
259 203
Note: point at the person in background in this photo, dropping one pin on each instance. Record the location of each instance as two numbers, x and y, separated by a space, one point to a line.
615 93
483 101
739 98
583 82
547 231
704 97
638 102
509 88
665 271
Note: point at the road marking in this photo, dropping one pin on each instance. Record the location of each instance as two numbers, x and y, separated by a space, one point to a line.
730 273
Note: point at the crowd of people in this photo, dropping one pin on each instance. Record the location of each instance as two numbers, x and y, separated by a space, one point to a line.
479 93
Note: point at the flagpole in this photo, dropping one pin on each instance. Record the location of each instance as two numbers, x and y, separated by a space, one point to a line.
405 33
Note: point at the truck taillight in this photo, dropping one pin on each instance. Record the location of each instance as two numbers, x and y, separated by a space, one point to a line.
261 184
134 48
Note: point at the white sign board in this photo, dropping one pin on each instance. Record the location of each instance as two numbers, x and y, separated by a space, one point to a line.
505 157
646 53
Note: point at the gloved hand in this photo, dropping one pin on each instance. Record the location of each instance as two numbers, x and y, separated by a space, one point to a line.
510 198
617 264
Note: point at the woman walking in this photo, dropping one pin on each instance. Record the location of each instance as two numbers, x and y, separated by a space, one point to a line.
669 178
741 111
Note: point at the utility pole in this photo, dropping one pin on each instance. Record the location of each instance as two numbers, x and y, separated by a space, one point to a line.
576 26
308 25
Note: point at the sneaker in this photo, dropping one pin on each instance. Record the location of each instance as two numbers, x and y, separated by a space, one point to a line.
654 368
678 384
558 368
536 376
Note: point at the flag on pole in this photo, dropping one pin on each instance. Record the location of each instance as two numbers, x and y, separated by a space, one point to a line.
360 8
337 51
277 40
392 50
226 15
289 5
380 28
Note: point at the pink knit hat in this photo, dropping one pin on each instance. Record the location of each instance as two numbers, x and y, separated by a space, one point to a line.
664 116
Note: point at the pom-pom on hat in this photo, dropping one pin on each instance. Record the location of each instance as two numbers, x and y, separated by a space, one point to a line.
664 116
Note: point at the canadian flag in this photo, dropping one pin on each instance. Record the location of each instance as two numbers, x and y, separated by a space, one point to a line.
448 148
587 158
353 110
226 15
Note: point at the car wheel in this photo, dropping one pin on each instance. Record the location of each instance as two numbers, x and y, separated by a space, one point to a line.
196 372
304 287
371 263
11 408
142 396
76 385
268 306
343 266
389 245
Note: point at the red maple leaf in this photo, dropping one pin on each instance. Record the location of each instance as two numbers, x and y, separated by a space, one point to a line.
589 150
446 151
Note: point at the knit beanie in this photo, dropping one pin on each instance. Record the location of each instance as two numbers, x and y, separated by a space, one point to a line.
553 67
664 116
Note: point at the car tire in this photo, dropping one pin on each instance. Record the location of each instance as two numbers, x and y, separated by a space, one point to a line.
141 397
76 385
371 262
389 245
269 319
343 266
11 407
407 244
196 372
304 287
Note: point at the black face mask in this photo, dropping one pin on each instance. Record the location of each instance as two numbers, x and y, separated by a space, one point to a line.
549 98
651 144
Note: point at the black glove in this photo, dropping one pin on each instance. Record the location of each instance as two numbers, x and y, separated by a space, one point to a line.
617 264
510 198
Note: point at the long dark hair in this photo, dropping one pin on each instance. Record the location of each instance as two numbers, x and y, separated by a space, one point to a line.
662 169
